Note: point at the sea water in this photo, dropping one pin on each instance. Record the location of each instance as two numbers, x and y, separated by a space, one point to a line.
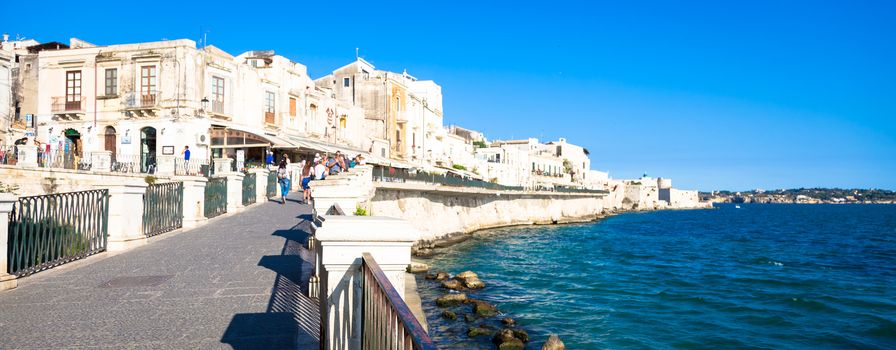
763 276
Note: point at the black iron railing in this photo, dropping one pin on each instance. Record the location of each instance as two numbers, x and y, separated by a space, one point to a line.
51 230
215 197
249 192
400 175
163 209
272 185
387 322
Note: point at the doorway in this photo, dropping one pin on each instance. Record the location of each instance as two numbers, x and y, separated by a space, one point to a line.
148 150
109 140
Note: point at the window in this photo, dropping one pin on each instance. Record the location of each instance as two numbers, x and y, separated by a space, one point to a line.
269 107
292 106
148 80
342 121
72 89
111 81
346 82
218 89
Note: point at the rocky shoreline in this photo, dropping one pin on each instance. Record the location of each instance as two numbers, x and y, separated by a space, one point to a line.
483 318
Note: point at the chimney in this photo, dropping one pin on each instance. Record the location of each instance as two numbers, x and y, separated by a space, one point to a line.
5 37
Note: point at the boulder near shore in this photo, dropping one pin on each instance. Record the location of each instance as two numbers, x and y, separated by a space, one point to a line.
553 343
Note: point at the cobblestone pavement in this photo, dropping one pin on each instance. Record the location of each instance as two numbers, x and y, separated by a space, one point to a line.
237 282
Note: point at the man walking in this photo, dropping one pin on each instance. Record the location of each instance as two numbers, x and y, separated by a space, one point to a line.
186 153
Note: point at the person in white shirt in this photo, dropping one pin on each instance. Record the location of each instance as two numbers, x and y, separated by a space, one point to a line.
320 170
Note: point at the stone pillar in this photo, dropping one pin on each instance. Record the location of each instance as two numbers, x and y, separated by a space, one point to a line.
27 156
7 200
194 199
101 161
222 165
234 191
126 214
347 190
343 240
261 184
165 165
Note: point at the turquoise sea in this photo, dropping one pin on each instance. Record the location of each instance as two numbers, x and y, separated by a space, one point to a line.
771 276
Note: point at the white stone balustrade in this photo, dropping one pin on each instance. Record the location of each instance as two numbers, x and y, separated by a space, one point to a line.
348 190
261 184
7 200
234 190
222 165
27 155
341 242
125 214
101 161
194 200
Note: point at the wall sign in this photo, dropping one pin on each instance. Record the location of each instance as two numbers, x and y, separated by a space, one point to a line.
167 150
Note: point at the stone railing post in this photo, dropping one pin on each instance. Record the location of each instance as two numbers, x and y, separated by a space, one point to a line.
101 161
126 214
194 199
261 184
27 156
7 200
343 240
165 165
234 191
347 190
222 165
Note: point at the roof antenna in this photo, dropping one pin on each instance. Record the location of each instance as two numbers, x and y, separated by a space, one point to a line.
356 54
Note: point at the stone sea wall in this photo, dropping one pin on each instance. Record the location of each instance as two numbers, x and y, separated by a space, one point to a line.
442 212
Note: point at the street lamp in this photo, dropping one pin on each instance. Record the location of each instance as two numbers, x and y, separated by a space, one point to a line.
204 104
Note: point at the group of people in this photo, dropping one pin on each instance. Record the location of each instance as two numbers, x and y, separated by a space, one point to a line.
317 168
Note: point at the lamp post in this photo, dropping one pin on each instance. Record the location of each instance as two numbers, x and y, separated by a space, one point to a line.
204 104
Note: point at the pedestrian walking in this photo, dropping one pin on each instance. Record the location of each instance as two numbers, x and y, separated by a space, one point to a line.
307 174
186 153
283 179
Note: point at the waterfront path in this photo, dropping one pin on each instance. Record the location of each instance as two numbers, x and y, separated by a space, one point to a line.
237 282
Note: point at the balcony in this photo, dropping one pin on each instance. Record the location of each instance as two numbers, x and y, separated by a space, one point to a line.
401 117
142 105
64 109
217 110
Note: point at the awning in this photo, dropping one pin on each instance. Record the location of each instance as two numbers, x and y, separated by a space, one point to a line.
250 138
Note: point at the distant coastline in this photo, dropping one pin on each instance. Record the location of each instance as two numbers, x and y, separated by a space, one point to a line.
803 196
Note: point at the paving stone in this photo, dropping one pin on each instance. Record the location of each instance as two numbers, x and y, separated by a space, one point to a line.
238 281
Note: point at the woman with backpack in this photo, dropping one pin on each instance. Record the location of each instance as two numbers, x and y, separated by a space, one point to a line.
283 179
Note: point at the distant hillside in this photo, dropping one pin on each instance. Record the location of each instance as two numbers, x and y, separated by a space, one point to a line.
803 195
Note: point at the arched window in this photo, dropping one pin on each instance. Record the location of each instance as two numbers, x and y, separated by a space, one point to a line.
109 140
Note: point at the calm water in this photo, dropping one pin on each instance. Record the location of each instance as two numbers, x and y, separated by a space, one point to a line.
763 276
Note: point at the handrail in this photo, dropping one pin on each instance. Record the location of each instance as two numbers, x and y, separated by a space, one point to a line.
383 309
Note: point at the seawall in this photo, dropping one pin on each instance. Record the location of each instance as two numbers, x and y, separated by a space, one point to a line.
442 212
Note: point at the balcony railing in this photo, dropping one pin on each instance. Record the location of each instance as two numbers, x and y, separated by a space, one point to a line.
387 322
61 105
143 100
218 107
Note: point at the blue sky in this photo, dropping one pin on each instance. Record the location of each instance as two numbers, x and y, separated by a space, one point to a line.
773 94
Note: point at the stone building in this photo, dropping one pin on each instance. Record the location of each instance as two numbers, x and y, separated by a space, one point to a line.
145 102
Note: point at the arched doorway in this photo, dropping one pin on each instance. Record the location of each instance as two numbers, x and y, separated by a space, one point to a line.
71 155
109 140
147 149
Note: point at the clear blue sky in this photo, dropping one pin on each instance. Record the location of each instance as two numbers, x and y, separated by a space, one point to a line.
738 96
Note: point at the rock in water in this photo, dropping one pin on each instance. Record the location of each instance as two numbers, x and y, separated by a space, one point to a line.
441 276
451 299
417 267
451 284
521 335
449 315
469 317
466 274
478 331
508 321
473 283
484 309
553 343
505 340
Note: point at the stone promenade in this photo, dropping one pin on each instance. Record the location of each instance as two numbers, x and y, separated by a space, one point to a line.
238 282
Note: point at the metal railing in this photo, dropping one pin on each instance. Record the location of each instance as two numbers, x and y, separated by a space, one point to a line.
386 320
61 105
215 197
163 208
51 230
9 155
218 107
62 159
249 193
399 175
272 185
192 167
